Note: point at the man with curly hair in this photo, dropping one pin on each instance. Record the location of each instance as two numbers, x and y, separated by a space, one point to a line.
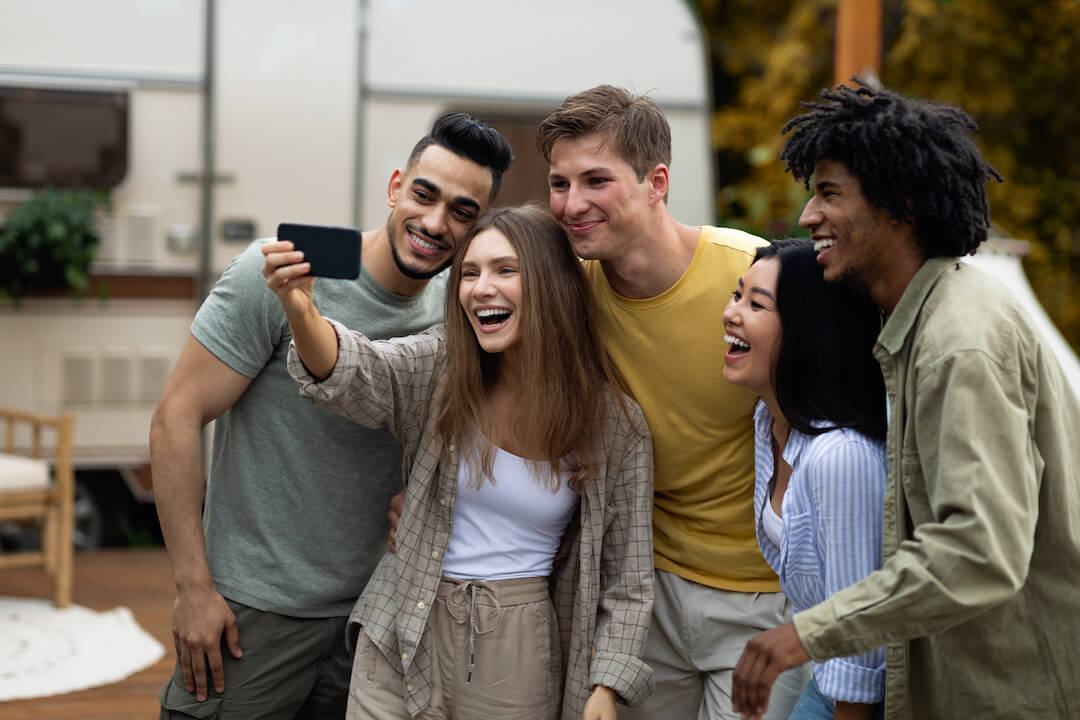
977 597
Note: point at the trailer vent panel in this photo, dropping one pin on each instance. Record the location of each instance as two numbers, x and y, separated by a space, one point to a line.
116 380
77 379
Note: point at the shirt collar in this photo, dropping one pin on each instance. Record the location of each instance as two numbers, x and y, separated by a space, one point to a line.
796 440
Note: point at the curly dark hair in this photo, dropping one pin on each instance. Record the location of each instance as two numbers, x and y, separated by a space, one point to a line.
912 157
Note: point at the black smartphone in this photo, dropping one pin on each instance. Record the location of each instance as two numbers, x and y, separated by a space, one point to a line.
334 252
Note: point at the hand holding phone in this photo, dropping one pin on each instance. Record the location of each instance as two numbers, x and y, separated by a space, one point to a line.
334 252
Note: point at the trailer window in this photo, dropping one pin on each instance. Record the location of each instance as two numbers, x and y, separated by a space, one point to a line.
526 180
62 138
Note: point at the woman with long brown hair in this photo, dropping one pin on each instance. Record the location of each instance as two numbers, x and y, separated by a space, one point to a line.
522 582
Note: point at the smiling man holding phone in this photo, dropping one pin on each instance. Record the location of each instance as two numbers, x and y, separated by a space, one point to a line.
295 505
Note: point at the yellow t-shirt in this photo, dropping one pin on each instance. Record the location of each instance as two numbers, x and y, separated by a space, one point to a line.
670 348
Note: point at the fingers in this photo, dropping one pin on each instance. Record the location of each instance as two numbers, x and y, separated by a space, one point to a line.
217 672
276 246
283 263
391 544
185 667
198 671
232 638
284 266
745 681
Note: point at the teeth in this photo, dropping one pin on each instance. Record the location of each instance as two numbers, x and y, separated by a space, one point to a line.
731 339
488 312
820 245
423 243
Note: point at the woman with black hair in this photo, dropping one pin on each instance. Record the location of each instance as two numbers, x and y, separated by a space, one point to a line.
804 346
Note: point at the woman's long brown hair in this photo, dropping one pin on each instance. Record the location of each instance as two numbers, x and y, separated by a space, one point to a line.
566 373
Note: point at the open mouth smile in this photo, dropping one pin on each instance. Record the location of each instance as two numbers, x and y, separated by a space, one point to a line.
738 345
424 244
823 244
492 319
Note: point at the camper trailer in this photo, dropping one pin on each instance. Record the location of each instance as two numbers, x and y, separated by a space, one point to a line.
211 122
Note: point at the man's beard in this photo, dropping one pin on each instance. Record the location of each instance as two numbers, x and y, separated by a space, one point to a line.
401 266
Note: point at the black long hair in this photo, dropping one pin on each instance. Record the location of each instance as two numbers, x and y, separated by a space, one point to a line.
912 157
825 369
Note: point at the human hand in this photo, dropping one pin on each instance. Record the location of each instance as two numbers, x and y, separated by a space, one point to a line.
200 616
287 275
763 659
601 704
397 504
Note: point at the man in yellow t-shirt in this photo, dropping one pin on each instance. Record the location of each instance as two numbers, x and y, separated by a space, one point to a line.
660 287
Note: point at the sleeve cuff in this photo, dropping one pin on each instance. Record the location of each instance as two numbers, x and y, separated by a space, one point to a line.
309 386
847 681
812 626
627 675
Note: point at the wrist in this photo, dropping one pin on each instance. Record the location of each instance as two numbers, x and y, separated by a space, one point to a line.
195 582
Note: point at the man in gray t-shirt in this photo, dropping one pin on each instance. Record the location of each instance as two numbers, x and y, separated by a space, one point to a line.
295 504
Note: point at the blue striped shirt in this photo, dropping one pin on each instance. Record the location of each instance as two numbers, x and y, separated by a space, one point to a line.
832 513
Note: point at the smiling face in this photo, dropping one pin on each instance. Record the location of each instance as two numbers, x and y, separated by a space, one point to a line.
752 326
491 292
596 197
848 232
434 202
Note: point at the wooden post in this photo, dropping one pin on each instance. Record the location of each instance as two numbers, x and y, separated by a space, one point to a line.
858 40
65 489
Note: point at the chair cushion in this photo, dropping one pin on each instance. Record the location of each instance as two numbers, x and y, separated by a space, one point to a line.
22 473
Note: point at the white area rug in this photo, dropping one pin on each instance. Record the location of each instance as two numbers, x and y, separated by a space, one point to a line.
45 651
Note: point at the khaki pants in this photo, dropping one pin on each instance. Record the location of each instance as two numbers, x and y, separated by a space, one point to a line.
696 637
495 651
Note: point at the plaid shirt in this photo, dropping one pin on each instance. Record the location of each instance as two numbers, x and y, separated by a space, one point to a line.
602 579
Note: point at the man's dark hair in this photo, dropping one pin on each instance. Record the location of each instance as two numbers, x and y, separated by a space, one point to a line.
469 138
825 376
912 157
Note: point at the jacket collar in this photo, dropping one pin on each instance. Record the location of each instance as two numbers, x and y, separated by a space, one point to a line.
906 312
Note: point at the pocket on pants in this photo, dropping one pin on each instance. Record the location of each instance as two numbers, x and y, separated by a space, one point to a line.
177 703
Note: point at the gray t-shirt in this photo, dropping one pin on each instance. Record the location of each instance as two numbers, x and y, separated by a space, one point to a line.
295 514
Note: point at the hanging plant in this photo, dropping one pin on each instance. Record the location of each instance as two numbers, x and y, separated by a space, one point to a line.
48 243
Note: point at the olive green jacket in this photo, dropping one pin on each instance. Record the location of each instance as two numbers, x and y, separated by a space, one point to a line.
978 598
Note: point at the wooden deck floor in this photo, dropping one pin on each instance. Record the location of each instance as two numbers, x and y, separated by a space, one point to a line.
138 578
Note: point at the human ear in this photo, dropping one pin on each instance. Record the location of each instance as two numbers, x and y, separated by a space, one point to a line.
394 187
658 183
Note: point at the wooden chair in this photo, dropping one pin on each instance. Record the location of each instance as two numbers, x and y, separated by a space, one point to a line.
27 494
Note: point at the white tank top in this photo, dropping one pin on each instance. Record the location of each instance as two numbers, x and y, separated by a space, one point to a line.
772 524
510 528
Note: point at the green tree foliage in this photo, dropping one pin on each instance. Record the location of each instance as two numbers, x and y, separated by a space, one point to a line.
1012 64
